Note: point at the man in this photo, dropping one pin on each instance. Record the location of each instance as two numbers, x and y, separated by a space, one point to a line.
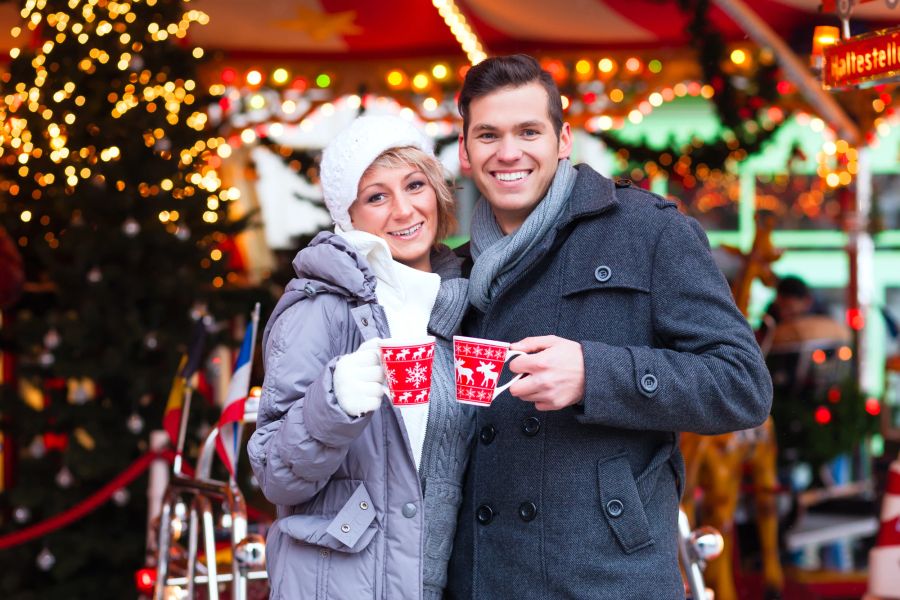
800 320
573 486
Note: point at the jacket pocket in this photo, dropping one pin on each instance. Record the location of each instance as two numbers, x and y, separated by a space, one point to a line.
621 504
330 555
350 528
584 276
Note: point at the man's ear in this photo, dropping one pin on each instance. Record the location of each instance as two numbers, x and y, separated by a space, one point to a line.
565 142
464 165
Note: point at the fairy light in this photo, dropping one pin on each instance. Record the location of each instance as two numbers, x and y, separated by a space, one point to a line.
606 65
396 78
101 35
461 30
440 71
280 76
254 77
420 81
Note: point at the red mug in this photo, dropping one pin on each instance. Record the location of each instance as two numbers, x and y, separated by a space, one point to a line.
407 369
479 363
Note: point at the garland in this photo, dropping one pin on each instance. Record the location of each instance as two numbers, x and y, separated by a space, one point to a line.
738 102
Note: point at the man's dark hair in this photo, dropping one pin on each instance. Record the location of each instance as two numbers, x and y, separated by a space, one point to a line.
792 287
512 71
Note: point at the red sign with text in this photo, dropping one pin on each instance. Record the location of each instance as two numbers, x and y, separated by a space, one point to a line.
870 58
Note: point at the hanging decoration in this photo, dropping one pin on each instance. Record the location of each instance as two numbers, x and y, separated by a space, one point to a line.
743 87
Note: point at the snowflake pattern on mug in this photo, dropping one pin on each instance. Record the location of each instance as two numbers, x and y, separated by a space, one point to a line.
407 370
417 375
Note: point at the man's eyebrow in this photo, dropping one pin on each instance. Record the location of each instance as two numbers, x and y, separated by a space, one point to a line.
534 124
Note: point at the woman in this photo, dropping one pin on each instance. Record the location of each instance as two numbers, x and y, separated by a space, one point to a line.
367 493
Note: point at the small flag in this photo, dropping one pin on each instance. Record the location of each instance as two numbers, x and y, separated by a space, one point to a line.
229 439
187 366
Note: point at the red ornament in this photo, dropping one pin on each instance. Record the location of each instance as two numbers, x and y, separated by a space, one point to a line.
823 415
873 407
145 579
56 441
55 383
229 75
855 319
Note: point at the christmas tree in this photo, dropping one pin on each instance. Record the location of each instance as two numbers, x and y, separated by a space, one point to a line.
109 189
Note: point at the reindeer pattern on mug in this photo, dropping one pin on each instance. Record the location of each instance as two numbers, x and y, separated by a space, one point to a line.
486 361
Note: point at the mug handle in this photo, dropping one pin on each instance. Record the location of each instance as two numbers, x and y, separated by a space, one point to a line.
500 389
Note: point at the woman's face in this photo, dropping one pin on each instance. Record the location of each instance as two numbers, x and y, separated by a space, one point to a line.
399 206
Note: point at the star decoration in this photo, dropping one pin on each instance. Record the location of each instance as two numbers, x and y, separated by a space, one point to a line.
321 26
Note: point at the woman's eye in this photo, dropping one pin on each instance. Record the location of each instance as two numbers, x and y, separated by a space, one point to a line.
375 198
416 185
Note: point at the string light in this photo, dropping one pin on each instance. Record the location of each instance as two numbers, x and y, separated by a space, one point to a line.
461 30
100 30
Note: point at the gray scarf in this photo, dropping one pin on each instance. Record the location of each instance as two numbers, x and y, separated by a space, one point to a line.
496 254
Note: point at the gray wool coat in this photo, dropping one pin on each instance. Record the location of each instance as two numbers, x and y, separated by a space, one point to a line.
355 519
582 502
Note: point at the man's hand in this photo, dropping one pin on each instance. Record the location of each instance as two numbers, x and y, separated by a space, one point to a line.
555 372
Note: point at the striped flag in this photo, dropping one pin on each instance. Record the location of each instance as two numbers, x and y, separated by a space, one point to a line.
189 364
229 438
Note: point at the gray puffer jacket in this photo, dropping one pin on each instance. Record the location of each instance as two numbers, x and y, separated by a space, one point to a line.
355 519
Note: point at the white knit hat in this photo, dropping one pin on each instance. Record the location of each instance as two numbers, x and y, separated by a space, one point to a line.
349 154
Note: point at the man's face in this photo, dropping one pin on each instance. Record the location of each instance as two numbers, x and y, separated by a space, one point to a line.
511 151
792 307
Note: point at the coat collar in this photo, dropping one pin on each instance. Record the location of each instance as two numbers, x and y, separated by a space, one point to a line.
593 194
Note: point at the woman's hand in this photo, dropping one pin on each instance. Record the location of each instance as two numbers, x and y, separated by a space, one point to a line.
359 379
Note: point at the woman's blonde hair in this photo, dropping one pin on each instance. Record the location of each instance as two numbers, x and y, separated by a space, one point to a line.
407 156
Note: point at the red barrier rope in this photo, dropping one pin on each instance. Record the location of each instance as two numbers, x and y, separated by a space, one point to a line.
94 501
87 505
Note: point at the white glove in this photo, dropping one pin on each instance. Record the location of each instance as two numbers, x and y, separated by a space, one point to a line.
358 379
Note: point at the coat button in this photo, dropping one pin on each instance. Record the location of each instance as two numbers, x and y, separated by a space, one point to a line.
364 505
527 511
365 322
614 507
487 434
649 383
345 528
409 510
484 514
602 273
531 426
